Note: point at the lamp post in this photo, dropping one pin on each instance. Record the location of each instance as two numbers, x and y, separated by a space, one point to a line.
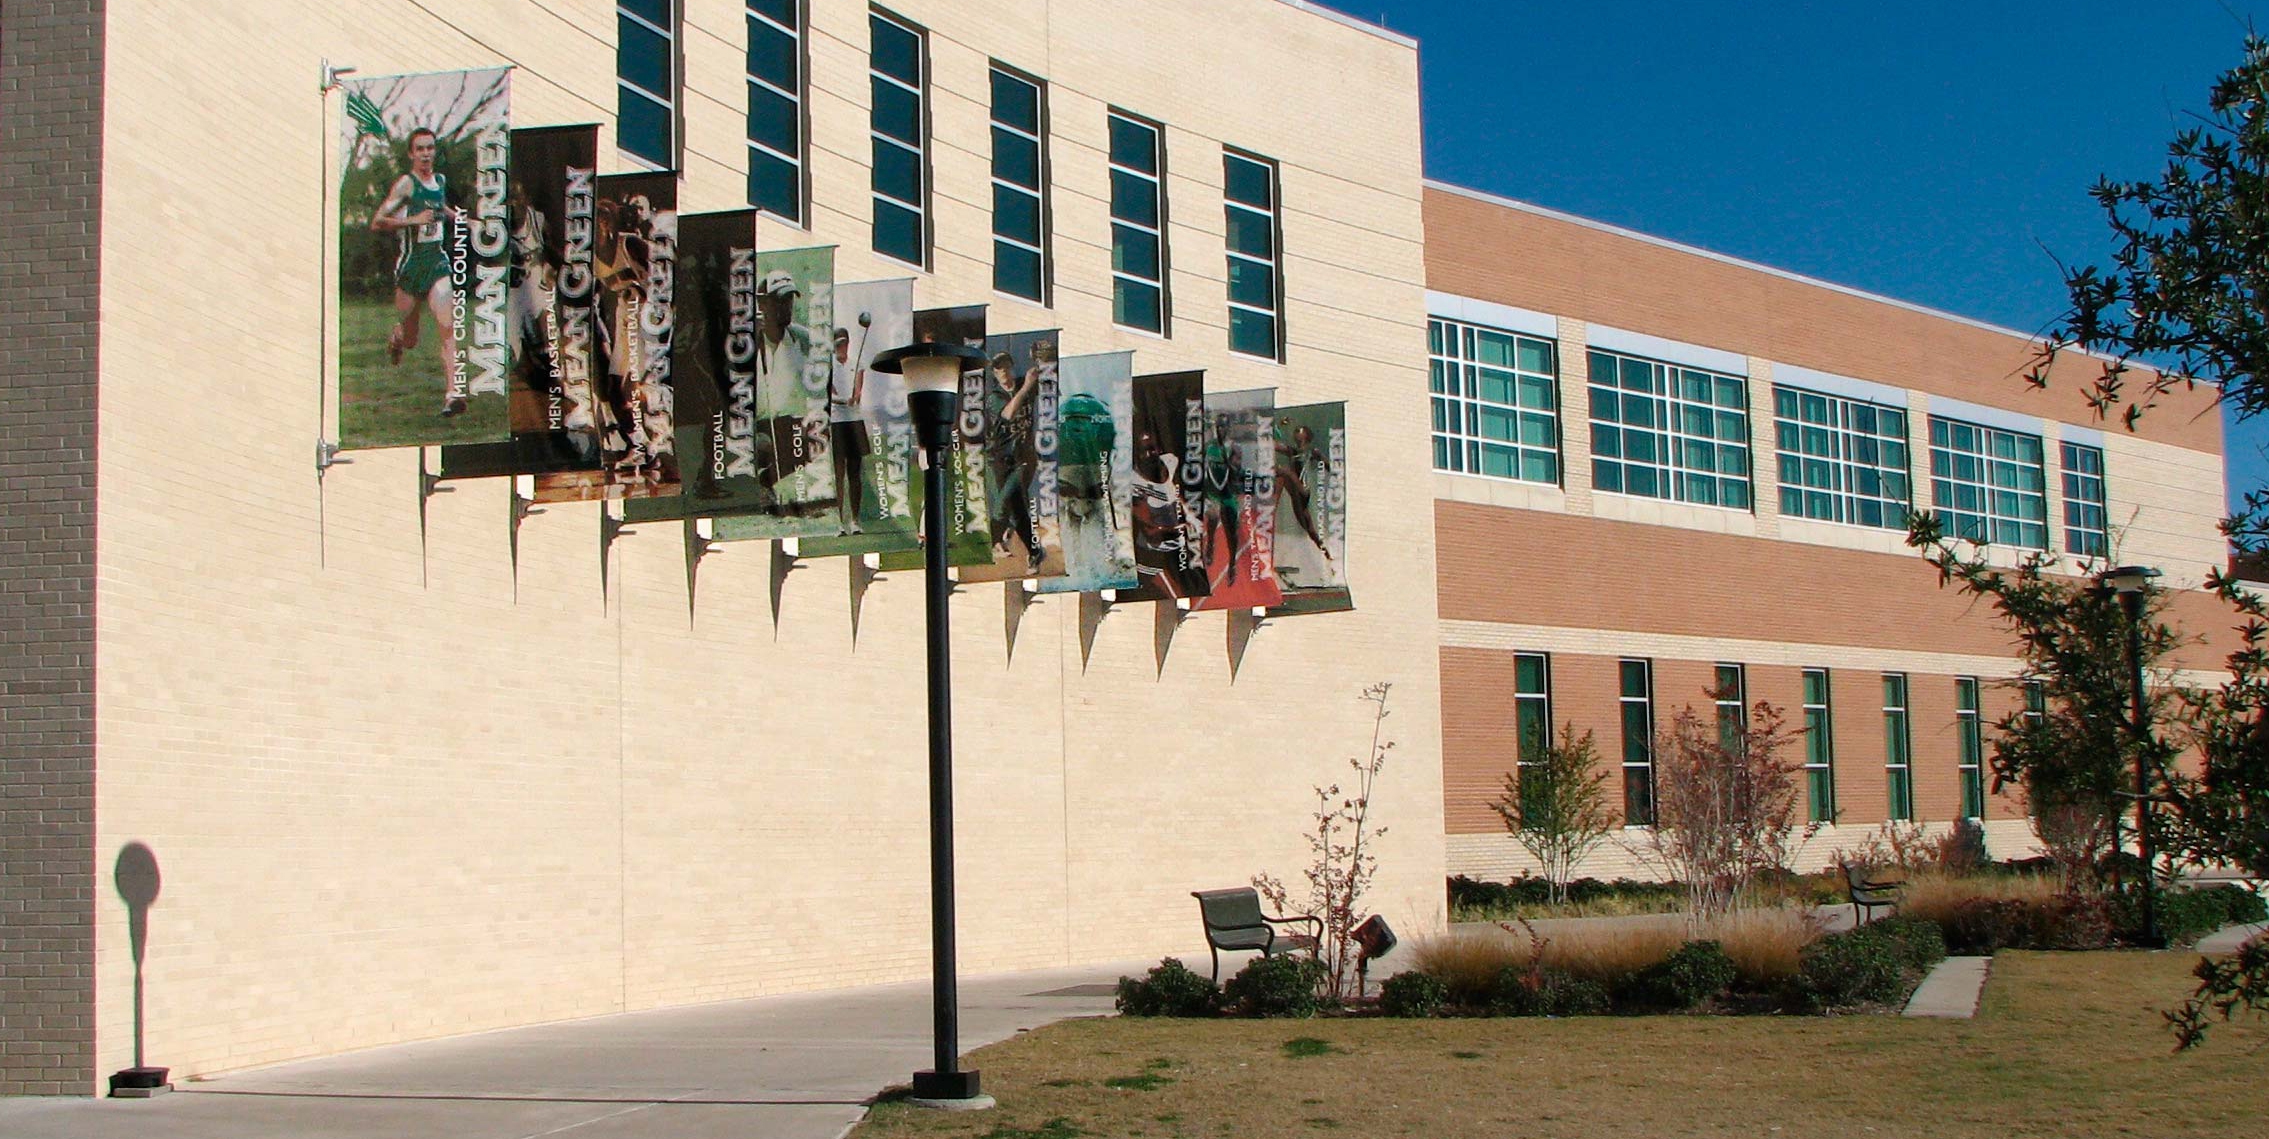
933 396
2129 584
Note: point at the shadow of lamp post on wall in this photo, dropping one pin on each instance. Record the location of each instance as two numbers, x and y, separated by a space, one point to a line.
933 382
136 876
2131 584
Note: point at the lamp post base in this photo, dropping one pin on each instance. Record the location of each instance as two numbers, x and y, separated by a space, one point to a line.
953 1091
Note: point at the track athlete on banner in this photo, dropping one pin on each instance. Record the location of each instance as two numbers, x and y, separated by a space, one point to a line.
418 212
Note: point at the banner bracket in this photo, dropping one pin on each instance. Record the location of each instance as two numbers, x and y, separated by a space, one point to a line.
331 76
327 456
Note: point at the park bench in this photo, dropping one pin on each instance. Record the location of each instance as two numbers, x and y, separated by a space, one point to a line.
1234 921
1868 894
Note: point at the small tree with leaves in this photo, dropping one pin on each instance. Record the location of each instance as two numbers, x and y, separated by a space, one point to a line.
1555 805
1726 797
2072 748
1340 868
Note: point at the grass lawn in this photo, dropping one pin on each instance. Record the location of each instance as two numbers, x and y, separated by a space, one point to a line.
2066 1044
398 405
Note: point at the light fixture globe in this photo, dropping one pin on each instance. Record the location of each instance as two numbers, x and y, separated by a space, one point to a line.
929 366
2127 579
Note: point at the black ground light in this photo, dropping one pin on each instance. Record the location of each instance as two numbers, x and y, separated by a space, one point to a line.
933 397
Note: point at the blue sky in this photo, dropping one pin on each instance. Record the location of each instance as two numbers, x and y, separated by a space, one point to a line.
1933 151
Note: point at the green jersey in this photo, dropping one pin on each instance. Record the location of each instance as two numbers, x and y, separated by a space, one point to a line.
424 257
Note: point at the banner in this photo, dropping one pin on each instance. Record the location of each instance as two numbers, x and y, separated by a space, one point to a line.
425 256
1311 506
1095 473
1022 401
713 368
1168 486
871 435
969 539
634 261
1240 500
552 402
795 367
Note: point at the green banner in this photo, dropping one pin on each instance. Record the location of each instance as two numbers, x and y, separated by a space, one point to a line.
1021 402
1311 508
1240 497
969 541
425 259
1095 474
871 436
795 366
1168 486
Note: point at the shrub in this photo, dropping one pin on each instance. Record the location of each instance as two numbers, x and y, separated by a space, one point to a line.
2239 905
1696 972
1921 943
1284 985
1169 990
1852 968
1545 991
2184 916
1413 994
1986 925
1961 850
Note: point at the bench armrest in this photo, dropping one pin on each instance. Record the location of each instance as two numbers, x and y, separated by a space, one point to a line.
1312 920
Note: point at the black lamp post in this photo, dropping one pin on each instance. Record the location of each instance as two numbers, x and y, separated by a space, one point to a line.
933 397
2130 583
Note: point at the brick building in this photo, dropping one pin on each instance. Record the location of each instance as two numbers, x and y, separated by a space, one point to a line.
402 777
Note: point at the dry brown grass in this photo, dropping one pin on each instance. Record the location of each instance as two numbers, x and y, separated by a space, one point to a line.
1937 896
2066 1044
1764 945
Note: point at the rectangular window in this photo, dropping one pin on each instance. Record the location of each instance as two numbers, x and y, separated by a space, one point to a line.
1988 484
776 108
1968 726
1020 186
646 81
1532 715
1138 224
1662 431
1496 402
2085 530
1898 746
2036 702
897 78
1841 460
1731 695
1819 748
1638 742
1256 267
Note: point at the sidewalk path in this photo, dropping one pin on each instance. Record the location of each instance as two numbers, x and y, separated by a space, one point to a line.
2230 937
791 1067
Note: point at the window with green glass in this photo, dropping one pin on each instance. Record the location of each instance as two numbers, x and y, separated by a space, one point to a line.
776 108
899 138
1841 460
1256 265
2036 701
1970 729
1819 748
1138 224
646 81
1663 431
1898 747
1532 718
1496 402
2086 529
1731 695
1987 484
1020 186
1637 701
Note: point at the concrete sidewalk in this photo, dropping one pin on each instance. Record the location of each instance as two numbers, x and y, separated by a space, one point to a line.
792 1067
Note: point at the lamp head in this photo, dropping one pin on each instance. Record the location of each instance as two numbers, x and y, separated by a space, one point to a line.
930 367
2127 579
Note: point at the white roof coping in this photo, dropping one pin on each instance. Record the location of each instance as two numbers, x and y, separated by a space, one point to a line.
1338 17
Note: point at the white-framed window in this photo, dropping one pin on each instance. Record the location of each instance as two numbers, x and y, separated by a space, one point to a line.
1841 460
1256 265
1138 223
1635 679
776 89
1020 185
1970 728
1898 747
1987 484
646 81
1819 748
1667 431
899 131
2086 527
1496 402
1730 694
1532 722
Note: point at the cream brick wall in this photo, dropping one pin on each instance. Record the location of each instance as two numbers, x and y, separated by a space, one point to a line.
390 800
